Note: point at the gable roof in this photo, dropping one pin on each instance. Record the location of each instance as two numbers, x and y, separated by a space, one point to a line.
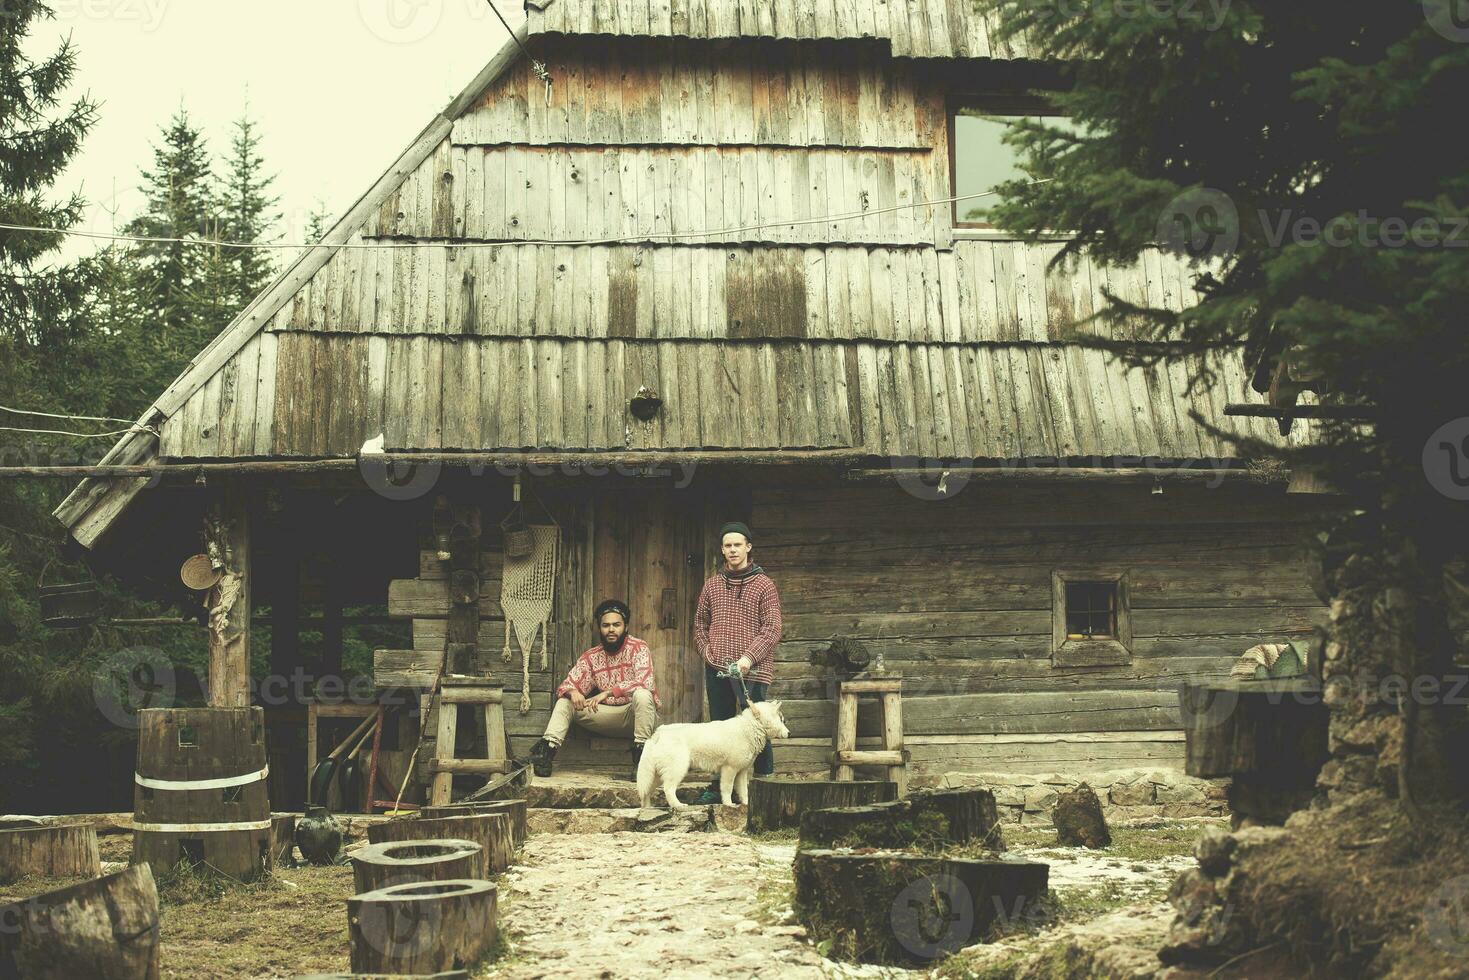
529 262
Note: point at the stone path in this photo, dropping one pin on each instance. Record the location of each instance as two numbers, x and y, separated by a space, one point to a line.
653 905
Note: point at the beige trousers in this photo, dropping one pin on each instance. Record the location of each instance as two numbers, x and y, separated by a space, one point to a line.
635 721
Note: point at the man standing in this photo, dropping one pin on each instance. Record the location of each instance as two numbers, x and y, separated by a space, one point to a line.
610 691
737 628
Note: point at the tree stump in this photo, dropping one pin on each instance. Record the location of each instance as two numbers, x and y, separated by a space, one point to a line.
777 804
104 929
491 831
66 851
282 838
379 866
1079 820
430 927
515 809
894 908
936 818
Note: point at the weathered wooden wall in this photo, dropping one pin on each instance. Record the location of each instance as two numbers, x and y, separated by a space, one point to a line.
957 596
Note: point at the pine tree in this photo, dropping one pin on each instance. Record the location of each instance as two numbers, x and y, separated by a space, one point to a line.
39 300
181 204
1294 146
248 213
318 223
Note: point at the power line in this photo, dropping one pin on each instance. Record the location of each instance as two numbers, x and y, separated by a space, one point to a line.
68 418
626 240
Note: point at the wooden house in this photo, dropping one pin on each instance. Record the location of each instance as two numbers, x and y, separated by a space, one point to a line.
726 207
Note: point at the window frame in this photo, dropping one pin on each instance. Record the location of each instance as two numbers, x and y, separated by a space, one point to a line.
1114 652
1024 104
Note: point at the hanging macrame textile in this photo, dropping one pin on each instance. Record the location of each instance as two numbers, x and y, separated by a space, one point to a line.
529 585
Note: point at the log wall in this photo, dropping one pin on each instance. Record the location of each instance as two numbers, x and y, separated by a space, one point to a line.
957 595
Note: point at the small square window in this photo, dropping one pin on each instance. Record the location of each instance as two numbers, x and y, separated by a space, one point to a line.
981 158
1091 618
1091 610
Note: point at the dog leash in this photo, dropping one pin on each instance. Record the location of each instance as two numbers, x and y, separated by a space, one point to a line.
730 674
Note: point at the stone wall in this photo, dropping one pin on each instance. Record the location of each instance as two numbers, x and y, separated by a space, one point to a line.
1125 793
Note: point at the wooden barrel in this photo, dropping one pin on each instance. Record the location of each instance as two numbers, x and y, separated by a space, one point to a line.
201 795
407 862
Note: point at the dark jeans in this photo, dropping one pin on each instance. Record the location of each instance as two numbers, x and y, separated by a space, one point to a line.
726 700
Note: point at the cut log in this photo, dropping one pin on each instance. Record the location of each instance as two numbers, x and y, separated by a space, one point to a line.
777 804
930 820
106 929
894 908
491 831
1079 820
64 851
514 809
282 838
430 927
379 866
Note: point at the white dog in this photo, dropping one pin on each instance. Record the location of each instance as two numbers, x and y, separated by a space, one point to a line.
727 747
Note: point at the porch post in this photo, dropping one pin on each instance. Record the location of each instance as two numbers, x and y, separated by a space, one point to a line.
229 618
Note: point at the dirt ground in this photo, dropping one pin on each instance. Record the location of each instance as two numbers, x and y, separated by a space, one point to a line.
669 905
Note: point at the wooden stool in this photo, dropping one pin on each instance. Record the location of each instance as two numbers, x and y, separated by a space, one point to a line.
844 743
454 691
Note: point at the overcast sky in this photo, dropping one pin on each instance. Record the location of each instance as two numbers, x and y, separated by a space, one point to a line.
339 87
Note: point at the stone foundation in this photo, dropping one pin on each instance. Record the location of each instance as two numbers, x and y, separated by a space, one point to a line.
1125 793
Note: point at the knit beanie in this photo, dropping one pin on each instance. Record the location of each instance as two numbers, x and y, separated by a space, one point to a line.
735 527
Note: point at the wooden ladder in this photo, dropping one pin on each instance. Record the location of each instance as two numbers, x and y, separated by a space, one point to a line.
845 755
454 690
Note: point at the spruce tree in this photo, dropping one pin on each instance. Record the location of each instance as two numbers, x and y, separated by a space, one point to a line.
1299 152
248 213
39 136
181 204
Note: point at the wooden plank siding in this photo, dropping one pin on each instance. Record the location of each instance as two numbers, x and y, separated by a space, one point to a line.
904 294
957 597
330 393
911 28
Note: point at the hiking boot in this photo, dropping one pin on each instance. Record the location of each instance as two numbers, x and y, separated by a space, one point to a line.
542 755
637 757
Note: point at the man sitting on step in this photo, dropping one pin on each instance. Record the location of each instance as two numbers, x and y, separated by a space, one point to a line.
610 691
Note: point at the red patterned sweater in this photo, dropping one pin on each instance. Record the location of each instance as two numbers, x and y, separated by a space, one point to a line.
619 674
739 616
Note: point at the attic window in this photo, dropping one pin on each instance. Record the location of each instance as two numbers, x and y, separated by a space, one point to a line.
1091 618
980 159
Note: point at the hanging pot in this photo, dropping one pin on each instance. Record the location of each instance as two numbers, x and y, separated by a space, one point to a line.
68 606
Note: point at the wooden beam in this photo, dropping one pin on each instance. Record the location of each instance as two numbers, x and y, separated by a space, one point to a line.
511 461
1347 413
1203 473
229 618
